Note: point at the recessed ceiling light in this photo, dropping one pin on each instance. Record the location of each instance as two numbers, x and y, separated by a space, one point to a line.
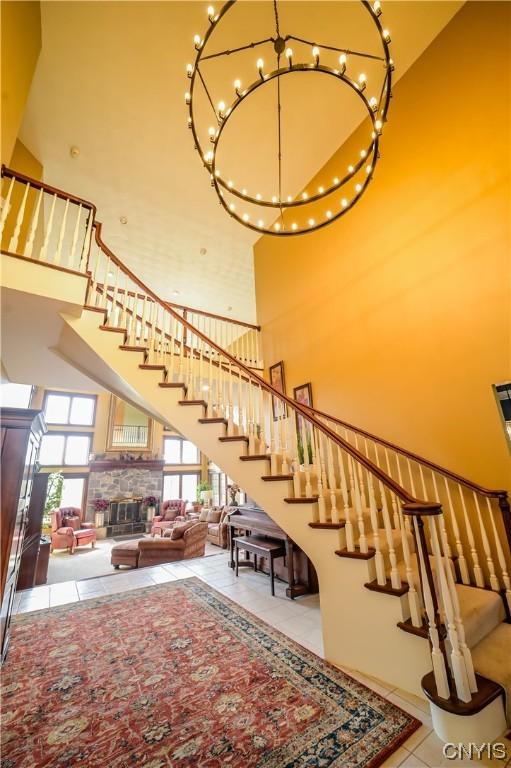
203 251
229 309
175 293
74 151
123 219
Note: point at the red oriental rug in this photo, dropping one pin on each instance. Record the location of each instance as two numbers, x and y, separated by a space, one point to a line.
178 675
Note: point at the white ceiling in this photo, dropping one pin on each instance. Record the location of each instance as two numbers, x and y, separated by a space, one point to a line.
111 80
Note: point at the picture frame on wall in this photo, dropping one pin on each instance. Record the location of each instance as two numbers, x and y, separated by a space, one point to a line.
277 381
303 395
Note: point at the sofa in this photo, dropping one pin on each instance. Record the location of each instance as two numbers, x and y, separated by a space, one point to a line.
168 512
182 542
68 529
218 530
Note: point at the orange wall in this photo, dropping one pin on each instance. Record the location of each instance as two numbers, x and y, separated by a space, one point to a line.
399 313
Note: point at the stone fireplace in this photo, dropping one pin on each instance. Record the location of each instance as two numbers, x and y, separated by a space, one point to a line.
124 484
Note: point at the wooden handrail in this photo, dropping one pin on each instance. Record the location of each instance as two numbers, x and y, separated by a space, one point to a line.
212 315
388 481
414 456
35 184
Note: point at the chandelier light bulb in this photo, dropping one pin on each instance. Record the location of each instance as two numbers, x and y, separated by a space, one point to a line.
211 12
336 181
212 132
289 198
221 108
243 191
358 188
208 157
294 226
246 217
197 41
378 125
305 196
377 7
189 122
362 81
187 98
328 214
311 222
386 35
289 56
342 61
274 198
189 70
258 196
260 223
363 153
369 168
321 190
344 202
315 55
217 174
232 206
373 102
237 86
260 65
230 184
277 226
350 169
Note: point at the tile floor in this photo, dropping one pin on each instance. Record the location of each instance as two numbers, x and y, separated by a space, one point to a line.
299 619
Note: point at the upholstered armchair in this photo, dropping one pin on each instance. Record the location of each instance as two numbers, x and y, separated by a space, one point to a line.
183 541
218 531
68 529
168 512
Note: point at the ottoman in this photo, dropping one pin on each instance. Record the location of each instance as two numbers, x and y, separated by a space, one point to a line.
125 553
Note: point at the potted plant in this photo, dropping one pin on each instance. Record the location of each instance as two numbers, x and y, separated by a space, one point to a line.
53 498
204 492
150 503
100 507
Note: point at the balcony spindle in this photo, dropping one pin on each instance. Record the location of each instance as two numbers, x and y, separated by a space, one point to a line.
500 555
6 207
13 243
49 226
84 257
62 233
29 244
72 250
478 573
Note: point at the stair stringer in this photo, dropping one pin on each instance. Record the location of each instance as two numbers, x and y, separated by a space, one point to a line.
359 627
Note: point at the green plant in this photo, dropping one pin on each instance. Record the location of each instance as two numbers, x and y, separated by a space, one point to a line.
53 495
202 486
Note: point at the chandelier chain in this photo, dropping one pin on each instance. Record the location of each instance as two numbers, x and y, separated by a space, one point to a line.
277 27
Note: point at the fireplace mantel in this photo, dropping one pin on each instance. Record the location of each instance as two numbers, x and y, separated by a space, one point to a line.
108 465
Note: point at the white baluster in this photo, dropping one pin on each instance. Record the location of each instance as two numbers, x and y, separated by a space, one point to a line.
379 562
71 257
462 563
362 539
6 207
61 233
48 230
439 668
348 527
29 244
500 554
395 579
414 600
457 661
86 243
494 582
478 573
13 243
332 482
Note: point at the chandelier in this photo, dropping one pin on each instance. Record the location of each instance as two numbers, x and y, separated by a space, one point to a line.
277 213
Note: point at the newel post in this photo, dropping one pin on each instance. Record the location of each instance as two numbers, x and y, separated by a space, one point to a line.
417 512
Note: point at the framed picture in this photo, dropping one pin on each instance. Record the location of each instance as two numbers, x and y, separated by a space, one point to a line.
303 395
277 380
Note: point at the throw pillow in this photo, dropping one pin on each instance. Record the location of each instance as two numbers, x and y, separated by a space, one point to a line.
214 516
203 515
179 529
170 513
71 522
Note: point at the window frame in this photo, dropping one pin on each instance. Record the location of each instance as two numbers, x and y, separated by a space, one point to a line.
65 435
71 395
174 473
181 463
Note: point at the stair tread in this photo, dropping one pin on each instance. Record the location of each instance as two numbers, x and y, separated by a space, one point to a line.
302 500
255 457
213 420
328 526
356 554
233 438
171 385
491 657
194 402
269 478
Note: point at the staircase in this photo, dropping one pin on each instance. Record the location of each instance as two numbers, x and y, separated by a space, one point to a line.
413 561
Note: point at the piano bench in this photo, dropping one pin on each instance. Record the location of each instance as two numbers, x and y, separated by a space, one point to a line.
258 546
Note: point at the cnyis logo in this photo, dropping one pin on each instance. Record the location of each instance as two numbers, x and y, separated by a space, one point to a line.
496 751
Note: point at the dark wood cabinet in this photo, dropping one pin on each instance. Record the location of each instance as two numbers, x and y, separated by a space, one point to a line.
21 432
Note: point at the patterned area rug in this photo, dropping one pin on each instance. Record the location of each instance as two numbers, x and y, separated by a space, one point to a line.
178 675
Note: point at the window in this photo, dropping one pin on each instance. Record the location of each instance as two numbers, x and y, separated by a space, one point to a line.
72 492
176 450
181 485
78 410
503 396
64 449
16 395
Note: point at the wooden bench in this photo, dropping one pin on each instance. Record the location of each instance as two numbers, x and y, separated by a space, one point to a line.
259 546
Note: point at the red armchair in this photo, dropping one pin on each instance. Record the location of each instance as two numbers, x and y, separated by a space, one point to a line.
68 529
169 511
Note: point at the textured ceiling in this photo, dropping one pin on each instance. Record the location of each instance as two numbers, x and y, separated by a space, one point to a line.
111 80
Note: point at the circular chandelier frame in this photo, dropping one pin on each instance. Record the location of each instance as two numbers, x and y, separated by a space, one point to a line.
376 110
